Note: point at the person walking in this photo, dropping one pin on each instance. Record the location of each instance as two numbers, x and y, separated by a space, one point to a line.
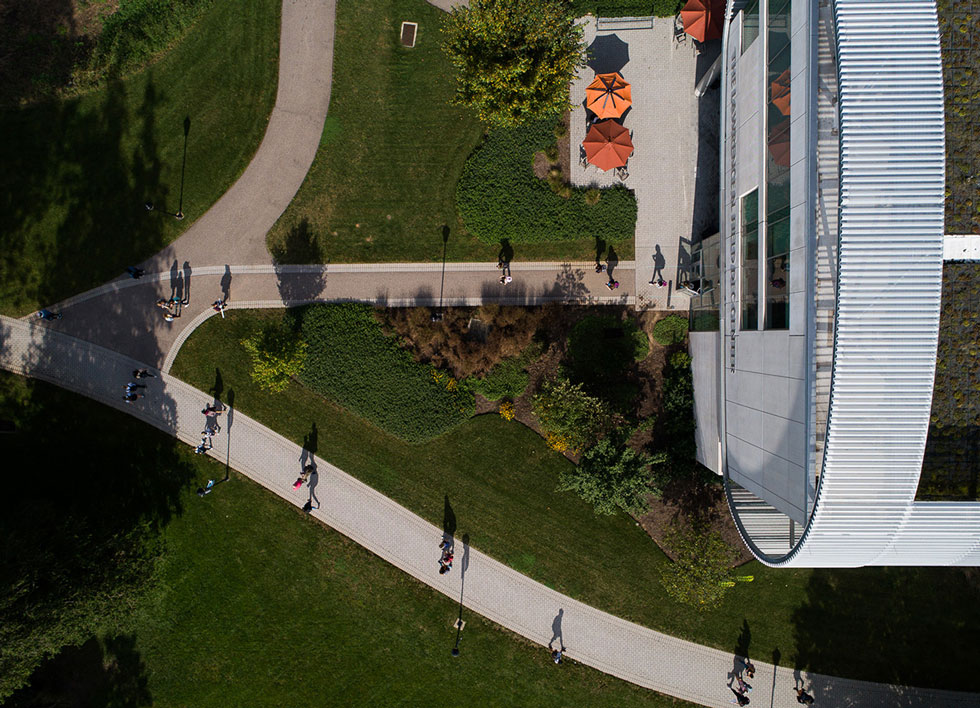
48 315
600 267
134 272
142 374
211 411
308 507
201 491
446 562
740 699
219 307
803 698
132 385
205 445
741 685
612 284
131 397
749 668
556 654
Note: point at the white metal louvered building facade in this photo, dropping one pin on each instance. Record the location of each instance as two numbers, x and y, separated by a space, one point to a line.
866 164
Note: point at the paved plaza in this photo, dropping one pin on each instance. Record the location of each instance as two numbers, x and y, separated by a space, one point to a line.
663 122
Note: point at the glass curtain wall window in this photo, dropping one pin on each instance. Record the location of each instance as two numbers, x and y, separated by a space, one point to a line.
750 24
779 116
749 237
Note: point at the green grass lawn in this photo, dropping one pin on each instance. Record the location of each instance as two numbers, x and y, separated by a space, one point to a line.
383 183
77 172
870 623
255 604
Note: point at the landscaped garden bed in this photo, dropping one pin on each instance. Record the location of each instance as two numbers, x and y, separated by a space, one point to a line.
501 479
951 465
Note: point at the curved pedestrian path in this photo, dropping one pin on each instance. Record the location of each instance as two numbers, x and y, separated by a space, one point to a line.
237 223
642 656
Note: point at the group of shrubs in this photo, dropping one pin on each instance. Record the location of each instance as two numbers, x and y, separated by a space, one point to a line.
499 197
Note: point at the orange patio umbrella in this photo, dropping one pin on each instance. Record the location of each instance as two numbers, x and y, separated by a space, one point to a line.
608 96
608 145
704 19
779 144
779 92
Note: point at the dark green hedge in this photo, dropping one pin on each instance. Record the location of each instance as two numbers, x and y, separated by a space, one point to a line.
499 197
350 360
627 8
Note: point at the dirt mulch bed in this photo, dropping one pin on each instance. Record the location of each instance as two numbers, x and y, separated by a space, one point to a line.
686 497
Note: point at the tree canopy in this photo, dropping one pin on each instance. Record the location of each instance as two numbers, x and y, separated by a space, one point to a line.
612 477
514 58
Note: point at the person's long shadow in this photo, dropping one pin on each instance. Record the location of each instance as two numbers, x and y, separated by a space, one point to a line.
612 260
600 248
226 284
219 385
311 484
448 521
556 632
174 274
187 283
310 446
741 658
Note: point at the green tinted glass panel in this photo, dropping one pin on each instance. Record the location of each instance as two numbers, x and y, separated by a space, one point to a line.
750 24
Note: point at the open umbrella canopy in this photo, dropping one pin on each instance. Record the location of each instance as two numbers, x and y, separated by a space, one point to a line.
608 53
608 145
704 19
608 96
779 92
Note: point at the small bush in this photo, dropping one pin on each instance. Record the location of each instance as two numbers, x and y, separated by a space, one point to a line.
353 362
498 196
612 477
277 356
592 197
506 380
551 152
507 411
569 415
670 330
703 567
560 131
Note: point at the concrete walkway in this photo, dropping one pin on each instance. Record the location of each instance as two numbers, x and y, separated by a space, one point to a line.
238 222
672 666
121 315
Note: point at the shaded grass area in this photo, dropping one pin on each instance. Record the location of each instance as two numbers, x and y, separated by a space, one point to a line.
255 604
77 172
500 478
79 537
382 184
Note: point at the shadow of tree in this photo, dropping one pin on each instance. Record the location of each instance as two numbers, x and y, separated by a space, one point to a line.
78 540
42 42
299 246
107 672
891 622
72 194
